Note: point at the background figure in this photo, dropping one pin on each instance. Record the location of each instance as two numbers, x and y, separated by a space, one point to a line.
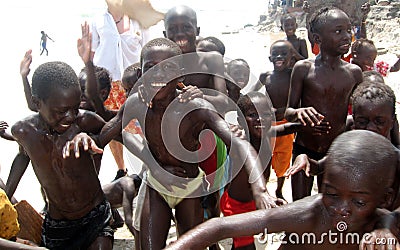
43 42
117 42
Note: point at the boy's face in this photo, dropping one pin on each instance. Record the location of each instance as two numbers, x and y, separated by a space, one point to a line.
335 37
349 197
60 109
258 119
289 26
365 57
181 29
159 80
375 117
280 56
240 74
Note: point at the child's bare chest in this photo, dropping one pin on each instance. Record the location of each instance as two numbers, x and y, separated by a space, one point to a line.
169 136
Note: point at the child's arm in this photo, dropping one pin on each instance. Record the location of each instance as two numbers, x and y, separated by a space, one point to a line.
261 81
299 216
92 87
365 8
24 70
18 168
307 115
303 48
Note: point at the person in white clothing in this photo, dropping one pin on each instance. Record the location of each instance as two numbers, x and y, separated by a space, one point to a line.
117 41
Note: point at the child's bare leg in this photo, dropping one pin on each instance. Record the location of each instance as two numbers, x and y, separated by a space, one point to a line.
188 214
101 242
278 192
155 221
301 185
137 238
117 151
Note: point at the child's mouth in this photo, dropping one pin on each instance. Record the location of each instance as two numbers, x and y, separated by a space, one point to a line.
259 127
182 43
158 84
278 63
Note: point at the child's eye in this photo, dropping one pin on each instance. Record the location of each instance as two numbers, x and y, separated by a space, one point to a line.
359 203
338 31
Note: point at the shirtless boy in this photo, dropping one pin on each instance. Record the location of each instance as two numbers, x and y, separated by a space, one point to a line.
205 70
78 213
166 172
320 89
257 116
357 181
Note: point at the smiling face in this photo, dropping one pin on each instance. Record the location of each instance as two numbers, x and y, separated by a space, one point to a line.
181 27
335 34
281 55
258 117
289 26
159 74
240 73
61 108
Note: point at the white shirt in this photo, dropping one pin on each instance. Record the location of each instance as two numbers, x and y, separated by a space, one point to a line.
115 51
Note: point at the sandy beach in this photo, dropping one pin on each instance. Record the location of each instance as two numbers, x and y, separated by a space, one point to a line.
23 35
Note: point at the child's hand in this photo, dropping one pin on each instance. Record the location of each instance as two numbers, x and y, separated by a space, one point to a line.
309 116
3 126
81 139
300 163
237 131
365 9
24 67
189 93
321 129
266 201
85 43
306 7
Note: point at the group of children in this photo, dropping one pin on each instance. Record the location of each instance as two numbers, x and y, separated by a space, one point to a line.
170 95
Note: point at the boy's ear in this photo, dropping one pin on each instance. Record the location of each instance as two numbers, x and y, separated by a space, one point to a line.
316 38
165 34
388 198
270 58
198 31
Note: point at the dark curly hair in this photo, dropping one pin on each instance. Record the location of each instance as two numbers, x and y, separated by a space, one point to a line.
130 75
160 42
374 92
359 43
220 45
370 73
231 63
52 76
319 18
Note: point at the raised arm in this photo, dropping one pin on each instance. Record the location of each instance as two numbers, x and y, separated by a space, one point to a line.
24 70
365 9
92 87
261 81
216 65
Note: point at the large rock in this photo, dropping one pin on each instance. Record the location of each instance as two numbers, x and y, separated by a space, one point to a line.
351 7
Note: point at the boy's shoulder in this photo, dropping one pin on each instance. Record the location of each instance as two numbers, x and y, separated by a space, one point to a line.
26 125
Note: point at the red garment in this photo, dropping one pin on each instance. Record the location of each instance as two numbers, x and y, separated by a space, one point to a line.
315 49
230 206
116 97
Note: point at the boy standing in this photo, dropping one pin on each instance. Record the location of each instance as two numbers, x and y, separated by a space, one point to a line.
78 214
320 89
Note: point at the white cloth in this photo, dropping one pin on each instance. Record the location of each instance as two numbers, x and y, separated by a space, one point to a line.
115 51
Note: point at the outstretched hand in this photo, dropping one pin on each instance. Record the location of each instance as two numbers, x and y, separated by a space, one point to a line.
300 163
365 9
24 67
266 201
309 116
81 139
84 44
